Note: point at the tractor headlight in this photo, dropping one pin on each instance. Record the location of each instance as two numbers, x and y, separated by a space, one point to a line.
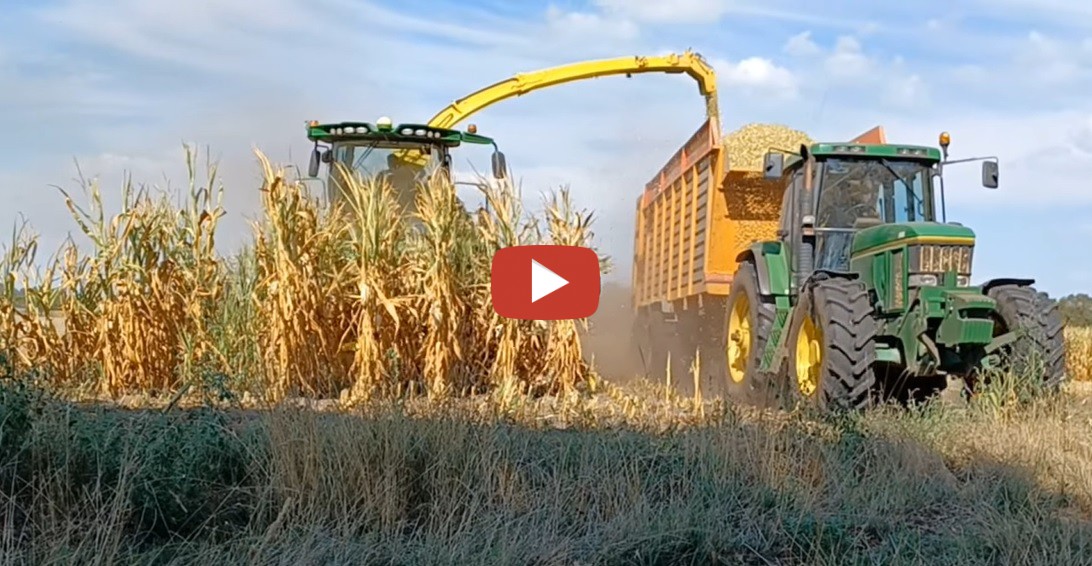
923 280
963 281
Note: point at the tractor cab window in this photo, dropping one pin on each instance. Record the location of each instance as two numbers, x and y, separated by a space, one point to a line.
907 197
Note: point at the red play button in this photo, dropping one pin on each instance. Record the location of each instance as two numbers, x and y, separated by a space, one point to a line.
545 282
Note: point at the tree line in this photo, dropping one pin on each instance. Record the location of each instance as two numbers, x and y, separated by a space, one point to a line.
1076 309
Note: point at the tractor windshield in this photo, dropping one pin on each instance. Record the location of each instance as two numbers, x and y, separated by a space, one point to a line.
390 161
882 189
861 192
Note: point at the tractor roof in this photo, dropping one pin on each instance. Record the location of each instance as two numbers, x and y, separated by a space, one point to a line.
364 131
875 150
867 150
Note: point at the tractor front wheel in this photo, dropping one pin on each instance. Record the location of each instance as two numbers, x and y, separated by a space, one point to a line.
1038 353
830 346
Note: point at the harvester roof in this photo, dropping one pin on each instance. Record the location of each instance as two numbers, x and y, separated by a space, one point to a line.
364 131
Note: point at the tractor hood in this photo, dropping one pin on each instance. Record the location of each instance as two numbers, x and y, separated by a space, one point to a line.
878 238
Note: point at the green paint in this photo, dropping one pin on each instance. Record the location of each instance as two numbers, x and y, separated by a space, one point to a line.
771 264
885 234
415 133
888 354
827 149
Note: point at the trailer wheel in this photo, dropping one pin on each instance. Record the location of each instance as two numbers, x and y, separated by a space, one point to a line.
748 318
1039 353
831 351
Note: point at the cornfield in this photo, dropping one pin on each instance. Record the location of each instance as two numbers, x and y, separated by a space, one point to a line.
347 301
1078 343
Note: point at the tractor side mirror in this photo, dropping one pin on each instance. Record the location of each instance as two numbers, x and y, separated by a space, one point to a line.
989 174
773 164
313 166
500 165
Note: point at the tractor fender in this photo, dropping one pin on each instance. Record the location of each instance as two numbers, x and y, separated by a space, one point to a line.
1006 281
771 264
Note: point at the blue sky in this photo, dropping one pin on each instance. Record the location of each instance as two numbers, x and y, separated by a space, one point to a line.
120 86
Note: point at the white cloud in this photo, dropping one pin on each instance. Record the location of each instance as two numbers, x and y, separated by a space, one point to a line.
801 45
590 25
907 91
848 59
757 74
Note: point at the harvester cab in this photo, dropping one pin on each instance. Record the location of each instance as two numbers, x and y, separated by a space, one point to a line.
403 155
866 294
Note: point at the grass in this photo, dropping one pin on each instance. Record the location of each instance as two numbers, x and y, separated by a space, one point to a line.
545 483
456 437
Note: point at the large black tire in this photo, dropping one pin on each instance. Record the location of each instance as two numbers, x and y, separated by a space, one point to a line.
739 353
843 378
1039 353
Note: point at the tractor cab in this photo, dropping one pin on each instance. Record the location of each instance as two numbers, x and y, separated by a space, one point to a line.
839 194
403 155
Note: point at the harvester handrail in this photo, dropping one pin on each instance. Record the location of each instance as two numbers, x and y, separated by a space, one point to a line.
688 62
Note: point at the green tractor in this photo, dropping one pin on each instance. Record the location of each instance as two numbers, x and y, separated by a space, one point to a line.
405 154
865 295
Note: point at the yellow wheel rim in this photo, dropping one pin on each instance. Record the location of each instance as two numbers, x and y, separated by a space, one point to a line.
739 338
809 357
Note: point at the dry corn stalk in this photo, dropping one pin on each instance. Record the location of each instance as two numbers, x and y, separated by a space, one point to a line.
1078 345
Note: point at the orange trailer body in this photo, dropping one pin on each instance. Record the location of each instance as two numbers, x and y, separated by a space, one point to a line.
693 218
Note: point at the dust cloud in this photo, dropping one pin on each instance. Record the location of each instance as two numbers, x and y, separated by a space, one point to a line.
607 341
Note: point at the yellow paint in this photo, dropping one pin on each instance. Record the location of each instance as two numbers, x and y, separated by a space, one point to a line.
739 338
809 357
688 62
941 240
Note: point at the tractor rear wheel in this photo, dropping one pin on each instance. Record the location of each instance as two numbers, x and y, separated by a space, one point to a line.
1039 352
748 319
831 352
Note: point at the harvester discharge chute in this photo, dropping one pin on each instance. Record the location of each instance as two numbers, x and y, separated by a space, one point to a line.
688 62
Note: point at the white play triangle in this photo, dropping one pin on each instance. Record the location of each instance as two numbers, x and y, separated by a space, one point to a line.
544 281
